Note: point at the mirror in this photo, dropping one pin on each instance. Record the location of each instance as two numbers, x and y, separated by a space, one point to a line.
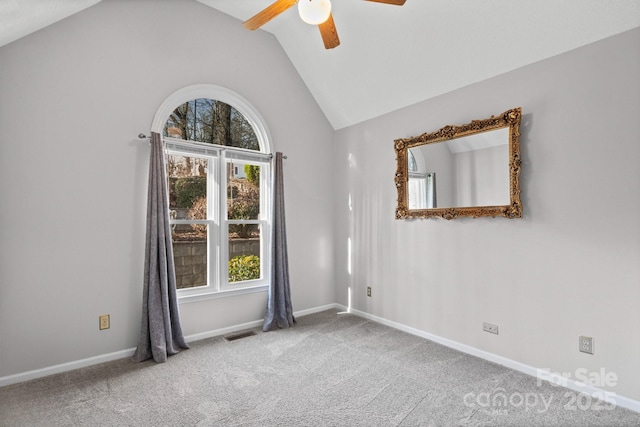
468 170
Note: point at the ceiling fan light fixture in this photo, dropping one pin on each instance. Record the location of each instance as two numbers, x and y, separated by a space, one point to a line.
314 12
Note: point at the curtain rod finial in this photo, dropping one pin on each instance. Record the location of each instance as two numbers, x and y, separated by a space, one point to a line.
142 136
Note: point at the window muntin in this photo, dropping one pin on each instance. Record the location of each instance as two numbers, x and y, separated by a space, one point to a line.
218 199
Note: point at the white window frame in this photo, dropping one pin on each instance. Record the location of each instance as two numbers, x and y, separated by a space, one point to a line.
218 156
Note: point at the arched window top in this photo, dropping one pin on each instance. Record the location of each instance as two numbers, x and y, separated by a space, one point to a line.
412 165
212 114
213 122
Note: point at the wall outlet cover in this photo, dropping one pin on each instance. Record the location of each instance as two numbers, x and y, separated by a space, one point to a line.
585 344
104 322
488 327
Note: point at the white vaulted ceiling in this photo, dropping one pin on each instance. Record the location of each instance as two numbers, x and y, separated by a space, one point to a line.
391 57
19 18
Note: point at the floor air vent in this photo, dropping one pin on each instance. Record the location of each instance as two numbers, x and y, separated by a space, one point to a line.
237 336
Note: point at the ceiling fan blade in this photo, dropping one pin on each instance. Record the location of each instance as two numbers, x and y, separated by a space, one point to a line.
395 2
329 33
268 14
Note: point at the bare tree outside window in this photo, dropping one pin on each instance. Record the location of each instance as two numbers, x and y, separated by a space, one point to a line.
213 122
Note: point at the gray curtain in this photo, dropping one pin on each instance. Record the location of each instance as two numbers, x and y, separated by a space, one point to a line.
279 311
160 332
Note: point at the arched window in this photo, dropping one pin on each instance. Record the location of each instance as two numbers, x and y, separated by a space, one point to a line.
218 172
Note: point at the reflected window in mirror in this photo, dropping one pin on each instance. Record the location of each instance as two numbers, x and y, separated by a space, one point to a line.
421 185
477 165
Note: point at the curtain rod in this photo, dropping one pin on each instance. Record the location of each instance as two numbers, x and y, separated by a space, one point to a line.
143 136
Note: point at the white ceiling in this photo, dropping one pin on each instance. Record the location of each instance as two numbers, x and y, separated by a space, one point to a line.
19 18
391 57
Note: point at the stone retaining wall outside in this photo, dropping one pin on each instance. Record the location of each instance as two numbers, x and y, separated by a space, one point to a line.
191 259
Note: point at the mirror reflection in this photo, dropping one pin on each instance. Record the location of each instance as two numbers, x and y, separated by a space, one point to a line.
471 171
468 170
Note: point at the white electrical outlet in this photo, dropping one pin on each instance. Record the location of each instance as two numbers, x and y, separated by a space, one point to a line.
488 327
585 344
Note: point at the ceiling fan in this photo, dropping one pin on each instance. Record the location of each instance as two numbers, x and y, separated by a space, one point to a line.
314 12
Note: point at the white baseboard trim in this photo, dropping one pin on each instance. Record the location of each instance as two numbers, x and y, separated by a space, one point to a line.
77 364
613 398
65 367
222 331
252 324
308 311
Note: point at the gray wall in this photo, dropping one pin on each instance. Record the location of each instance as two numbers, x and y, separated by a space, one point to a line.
570 267
73 174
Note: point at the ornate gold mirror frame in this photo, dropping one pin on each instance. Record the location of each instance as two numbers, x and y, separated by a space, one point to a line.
509 119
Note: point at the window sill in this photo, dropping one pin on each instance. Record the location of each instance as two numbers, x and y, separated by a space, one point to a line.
184 299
